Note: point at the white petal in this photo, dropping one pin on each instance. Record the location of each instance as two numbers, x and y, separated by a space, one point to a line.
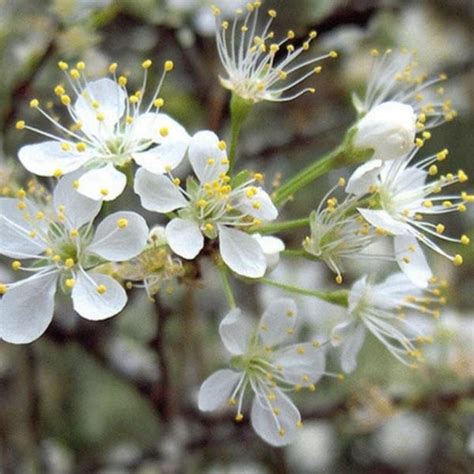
364 177
111 99
241 252
301 361
217 389
119 244
267 425
351 346
278 321
150 126
259 205
47 158
163 158
235 331
102 183
207 159
382 219
15 226
271 246
158 193
184 237
26 310
78 209
412 260
90 304
358 291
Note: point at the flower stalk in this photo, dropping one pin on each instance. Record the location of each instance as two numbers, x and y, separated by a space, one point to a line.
239 110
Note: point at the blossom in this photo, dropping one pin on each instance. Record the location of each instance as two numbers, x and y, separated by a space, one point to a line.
262 364
398 104
271 246
385 309
251 57
109 129
401 199
57 236
214 206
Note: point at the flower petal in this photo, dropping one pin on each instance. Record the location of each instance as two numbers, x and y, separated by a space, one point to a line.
302 364
241 252
90 304
412 260
48 158
120 236
158 193
207 158
15 227
364 177
382 219
111 104
271 246
259 205
351 345
163 158
217 389
104 183
184 237
276 430
26 310
159 128
78 209
235 331
278 321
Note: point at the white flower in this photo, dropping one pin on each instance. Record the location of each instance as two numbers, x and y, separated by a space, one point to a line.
268 371
109 129
395 78
212 207
389 129
381 309
271 246
402 199
59 240
251 59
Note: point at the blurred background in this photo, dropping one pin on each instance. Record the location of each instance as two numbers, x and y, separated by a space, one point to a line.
119 396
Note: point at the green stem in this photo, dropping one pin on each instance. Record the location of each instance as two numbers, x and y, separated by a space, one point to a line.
239 111
339 297
332 160
224 274
280 226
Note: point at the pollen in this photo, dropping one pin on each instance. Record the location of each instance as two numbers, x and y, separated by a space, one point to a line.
458 260
147 64
70 282
465 240
73 233
69 262
122 80
169 66
16 265
81 147
65 100
20 125
164 131
59 90
462 176
239 417
104 191
101 289
158 103
440 228
63 65
34 103
3 288
122 223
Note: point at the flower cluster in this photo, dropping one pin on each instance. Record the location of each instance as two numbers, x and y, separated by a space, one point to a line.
112 139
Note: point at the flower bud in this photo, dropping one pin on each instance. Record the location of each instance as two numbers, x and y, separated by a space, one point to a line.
389 129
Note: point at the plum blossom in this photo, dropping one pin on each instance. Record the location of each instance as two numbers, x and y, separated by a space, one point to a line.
251 57
385 310
212 207
109 129
56 235
262 363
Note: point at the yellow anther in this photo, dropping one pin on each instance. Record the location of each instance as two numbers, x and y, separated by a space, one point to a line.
63 66
56 258
208 227
176 181
20 125
447 204
433 170
75 184
39 215
201 203
65 146
462 208
100 117
169 66
101 289
70 282
146 64
313 34
81 65
442 155
462 176
34 103
272 13
113 68
333 54
239 417
257 205
73 233
69 262
211 161
341 182
159 102
222 145
291 35
281 432
427 204
104 191
95 104
467 197
21 205
122 80
458 260
258 177
274 48
339 279
75 74
32 233
341 377
65 99
133 99
128 119
419 142
164 131
80 147
21 194
232 402
58 172
317 69
465 240
3 288
300 350
16 265
374 52
122 223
